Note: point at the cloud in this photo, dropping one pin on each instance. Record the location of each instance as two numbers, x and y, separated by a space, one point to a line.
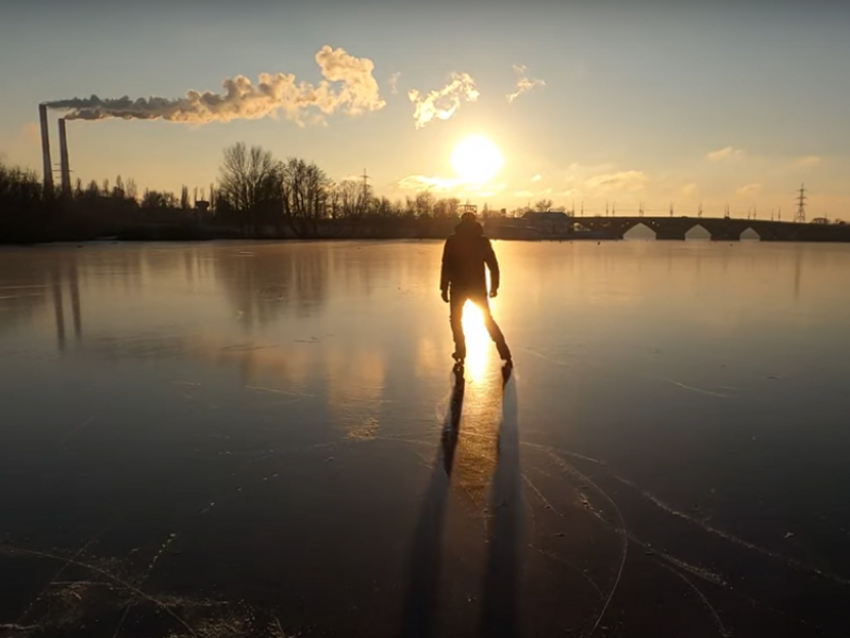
524 84
424 183
443 103
808 160
688 189
348 86
393 82
749 190
446 185
622 181
537 178
729 152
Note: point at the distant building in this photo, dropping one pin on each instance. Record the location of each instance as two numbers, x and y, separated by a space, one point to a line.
549 222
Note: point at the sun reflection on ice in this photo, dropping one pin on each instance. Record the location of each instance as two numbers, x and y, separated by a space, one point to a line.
478 344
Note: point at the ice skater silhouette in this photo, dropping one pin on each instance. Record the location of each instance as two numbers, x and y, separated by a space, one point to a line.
463 278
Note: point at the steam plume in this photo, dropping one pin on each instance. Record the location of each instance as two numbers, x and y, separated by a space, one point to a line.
443 103
357 92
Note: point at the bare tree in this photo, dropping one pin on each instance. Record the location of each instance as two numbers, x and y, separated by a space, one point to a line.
354 201
305 190
93 190
158 200
132 191
250 186
543 205
423 205
118 189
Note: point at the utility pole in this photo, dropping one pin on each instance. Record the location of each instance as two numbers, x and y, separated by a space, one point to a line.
699 210
671 209
640 209
800 217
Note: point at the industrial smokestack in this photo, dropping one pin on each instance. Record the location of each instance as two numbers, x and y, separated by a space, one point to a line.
45 150
63 158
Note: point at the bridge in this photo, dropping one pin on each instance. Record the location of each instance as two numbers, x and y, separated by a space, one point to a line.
720 228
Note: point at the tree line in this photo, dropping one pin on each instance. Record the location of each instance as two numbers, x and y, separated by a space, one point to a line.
256 195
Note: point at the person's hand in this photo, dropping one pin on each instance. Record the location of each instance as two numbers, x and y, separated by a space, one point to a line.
444 294
493 293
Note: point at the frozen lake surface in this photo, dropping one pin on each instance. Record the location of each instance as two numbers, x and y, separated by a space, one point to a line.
257 439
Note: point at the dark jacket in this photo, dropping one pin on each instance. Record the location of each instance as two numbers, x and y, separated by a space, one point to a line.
464 256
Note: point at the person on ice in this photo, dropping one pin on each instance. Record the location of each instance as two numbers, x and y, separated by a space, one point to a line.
463 278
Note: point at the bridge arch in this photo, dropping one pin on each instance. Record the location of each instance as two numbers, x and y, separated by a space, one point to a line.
698 232
750 233
640 231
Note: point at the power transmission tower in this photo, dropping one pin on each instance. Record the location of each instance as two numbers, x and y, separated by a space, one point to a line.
699 210
640 210
800 216
365 185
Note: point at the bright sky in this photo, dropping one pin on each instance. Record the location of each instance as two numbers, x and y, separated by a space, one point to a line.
625 102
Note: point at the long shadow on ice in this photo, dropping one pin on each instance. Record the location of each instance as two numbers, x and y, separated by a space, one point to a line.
500 613
422 593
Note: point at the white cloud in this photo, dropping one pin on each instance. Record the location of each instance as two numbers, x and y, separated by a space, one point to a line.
424 183
537 178
726 153
749 190
524 84
443 103
393 82
808 160
621 181
447 185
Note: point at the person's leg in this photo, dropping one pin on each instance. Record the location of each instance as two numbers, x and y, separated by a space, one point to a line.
456 302
493 329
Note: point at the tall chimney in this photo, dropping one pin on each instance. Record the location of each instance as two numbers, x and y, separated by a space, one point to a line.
45 150
63 158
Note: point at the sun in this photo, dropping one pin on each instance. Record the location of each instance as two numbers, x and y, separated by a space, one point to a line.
476 159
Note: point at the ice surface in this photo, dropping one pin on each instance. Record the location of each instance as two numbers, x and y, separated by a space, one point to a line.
267 439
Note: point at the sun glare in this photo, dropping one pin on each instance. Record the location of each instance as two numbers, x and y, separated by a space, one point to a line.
477 341
476 159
